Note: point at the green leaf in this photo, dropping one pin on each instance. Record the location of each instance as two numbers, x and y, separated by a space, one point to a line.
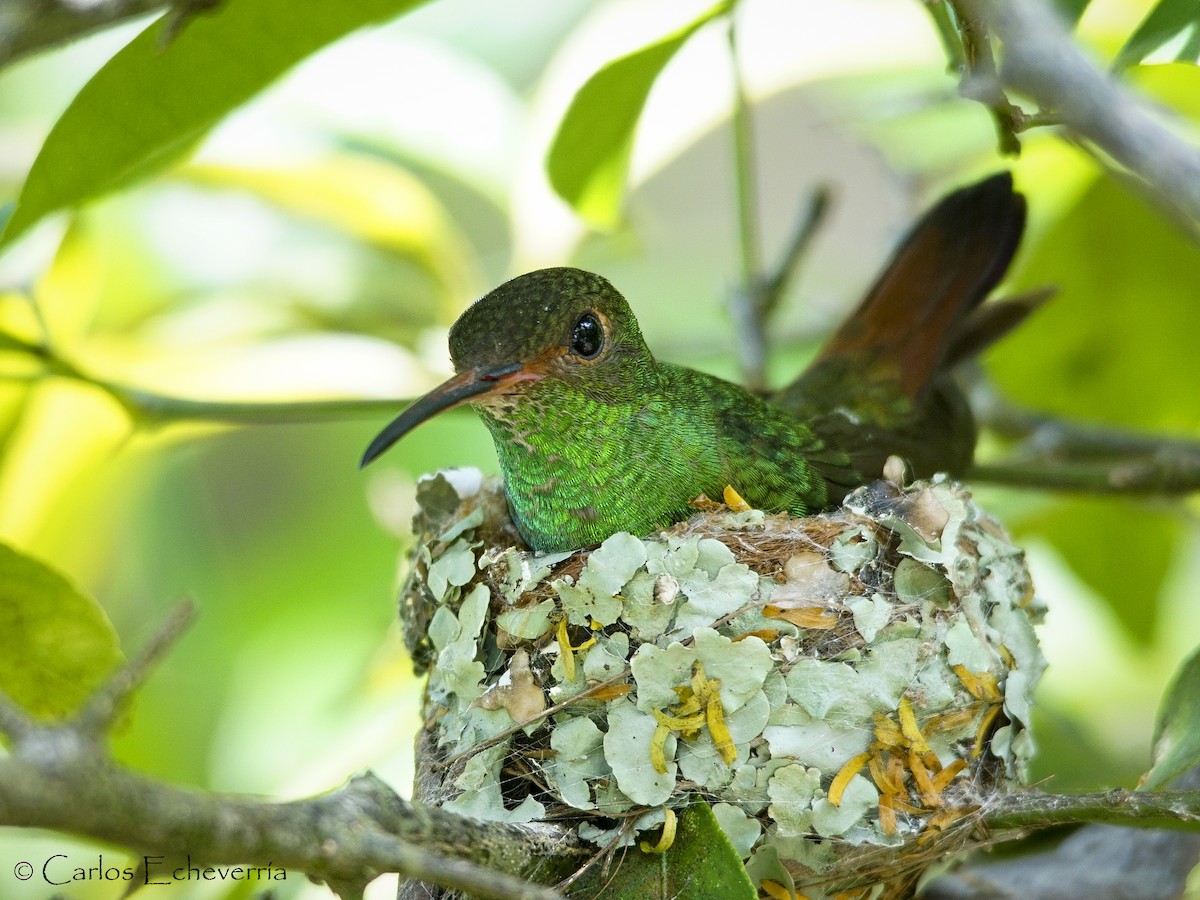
1177 734
58 643
149 104
701 865
589 159
1126 302
1085 532
1168 20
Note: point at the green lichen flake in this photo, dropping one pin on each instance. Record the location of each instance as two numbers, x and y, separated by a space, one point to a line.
807 678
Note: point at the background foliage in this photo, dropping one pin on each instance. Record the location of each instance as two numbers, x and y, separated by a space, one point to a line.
318 242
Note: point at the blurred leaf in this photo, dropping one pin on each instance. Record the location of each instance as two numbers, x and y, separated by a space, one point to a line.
367 198
589 159
701 865
58 643
1125 307
68 294
1071 10
1120 549
148 105
1177 734
1162 24
1175 84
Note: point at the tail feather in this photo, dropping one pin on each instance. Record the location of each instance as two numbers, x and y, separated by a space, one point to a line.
879 385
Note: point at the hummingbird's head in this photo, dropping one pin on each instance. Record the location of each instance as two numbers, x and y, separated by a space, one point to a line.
552 329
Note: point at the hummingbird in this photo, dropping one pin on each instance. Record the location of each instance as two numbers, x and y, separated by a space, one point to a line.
596 436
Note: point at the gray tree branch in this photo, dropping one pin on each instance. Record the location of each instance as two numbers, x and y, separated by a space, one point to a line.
60 776
1043 62
28 26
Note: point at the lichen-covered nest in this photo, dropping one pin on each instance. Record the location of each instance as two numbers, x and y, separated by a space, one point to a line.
844 690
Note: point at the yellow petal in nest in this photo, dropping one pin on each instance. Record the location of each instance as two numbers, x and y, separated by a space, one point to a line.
766 635
909 727
887 815
888 732
944 777
564 650
852 767
888 779
716 724
668 834
816 618
658 749
777 891
930 796
610 692
981 685
734 500
684 724
985 727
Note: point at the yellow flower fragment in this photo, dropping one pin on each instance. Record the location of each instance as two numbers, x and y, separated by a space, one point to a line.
766 635
610 692
775 890
888 732
930 796
887 814
812 617
883 776
734 500
658 748
716 724
909 728
687 725
944 777
566 651
981 686
852 767
668 834
985 725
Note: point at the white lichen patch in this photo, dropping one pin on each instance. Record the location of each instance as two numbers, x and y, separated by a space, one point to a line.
845 690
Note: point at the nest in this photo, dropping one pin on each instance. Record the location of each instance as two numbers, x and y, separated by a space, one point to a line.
845 691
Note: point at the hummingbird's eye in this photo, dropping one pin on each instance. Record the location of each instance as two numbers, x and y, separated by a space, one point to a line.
587 337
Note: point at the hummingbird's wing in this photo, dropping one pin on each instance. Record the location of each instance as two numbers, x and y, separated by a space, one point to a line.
880 385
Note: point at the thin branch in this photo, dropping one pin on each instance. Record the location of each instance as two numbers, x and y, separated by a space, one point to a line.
746 298
1058 455
1042 61
979 80
29 26
1142 809
105 706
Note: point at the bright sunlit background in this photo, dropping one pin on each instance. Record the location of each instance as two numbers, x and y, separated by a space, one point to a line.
322 239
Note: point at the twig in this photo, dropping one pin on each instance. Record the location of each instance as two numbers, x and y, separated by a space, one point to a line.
28 26
979 81
105 706
1059 455
1144 809
1042 61
746 298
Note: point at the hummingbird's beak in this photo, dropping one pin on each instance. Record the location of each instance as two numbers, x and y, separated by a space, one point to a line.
459 389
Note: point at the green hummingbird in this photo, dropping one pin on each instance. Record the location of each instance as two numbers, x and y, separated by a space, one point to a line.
595 436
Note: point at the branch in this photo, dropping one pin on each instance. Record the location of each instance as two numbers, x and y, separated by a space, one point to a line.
60 776
28 26
1060 455
1042 61
1142 809
979 81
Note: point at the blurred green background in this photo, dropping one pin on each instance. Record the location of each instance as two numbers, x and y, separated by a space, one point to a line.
321 240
